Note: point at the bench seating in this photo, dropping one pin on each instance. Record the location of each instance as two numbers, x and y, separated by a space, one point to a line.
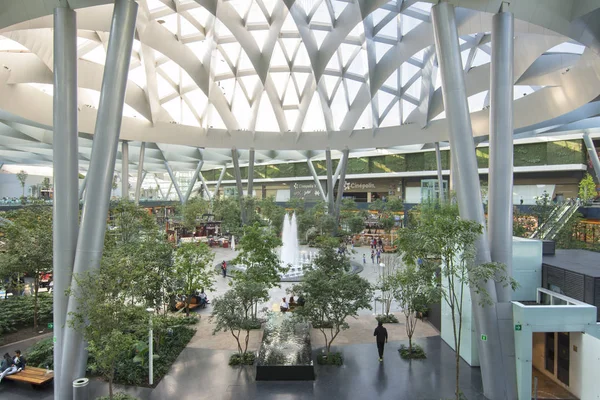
34 376
193 304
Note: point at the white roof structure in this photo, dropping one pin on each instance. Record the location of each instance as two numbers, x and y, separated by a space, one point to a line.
291 78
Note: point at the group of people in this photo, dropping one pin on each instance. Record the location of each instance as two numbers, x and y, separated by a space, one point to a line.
284 306
375 254
11 365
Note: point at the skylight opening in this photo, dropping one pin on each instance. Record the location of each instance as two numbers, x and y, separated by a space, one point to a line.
321 16
314 121
201 15
280 80
98 55
198 48
481 58
319 36
338 7
378 15
415 89
154 5
186 27
300 78
170 23
392 118
198 100
214 118
291 96
164 88
365 121
407 108
266 120
392 80
171 70
260 36
380 50
477 101
242 111
567 47
358 31
383 101
291 117
408 71
347 50
408 23
359 64
256 16
353 88
330 84
302 59
339 107
390 30
138 76
422 6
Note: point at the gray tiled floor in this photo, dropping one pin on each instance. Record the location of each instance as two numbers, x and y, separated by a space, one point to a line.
204 374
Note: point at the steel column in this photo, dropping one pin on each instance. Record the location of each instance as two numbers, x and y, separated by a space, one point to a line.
193 181
205 186
169 190
329 166
340 191
158 186
336 175
438 160
469 192
140 173
589 143
500 208
125 170
81 190
218 185
238 183
500 205
251 173
66 173
174 183
90 241
311 168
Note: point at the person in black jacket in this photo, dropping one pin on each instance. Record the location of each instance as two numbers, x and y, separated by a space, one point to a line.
381 337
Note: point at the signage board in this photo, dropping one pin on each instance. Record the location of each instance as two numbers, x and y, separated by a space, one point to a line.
307 191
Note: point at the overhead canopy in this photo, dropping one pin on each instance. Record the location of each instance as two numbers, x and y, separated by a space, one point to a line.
289 76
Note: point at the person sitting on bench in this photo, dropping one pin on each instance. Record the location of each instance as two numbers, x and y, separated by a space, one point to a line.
202 298
284 306
19 360
7 367
292 301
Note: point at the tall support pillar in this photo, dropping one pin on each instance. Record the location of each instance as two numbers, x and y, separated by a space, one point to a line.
159 188
66 173
140 173
125 170
340 192
218 185
205 186
493 370
311 168
329 165
90 241
193 181
438 160
174 183
251 174
589 143
336 176
500 208
238 182
169 190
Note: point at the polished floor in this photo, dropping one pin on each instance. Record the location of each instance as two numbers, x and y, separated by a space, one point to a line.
204 374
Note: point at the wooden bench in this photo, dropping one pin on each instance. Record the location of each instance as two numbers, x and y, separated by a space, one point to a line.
193 304
389 249
33 376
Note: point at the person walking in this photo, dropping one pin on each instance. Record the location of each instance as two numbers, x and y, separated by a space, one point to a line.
381 337
364 259
373 256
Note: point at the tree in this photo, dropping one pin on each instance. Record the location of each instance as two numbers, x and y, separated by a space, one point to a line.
22 177
192 211
131 223
543 208
104 318
231 313
257 253
28 246
386 282
587 189
415 291
331 294
194 269
440 240
272 213
46 183
227 210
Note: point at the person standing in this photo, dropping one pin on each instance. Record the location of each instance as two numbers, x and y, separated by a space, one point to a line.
373 256
364 259
381 337
224 268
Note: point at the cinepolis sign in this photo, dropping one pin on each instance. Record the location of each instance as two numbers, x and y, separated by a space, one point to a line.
349 186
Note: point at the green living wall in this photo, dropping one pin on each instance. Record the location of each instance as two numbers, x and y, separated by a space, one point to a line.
530 154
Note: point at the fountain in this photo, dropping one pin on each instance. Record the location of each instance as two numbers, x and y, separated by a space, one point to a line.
290 255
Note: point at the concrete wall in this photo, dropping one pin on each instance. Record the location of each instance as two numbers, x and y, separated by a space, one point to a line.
584 363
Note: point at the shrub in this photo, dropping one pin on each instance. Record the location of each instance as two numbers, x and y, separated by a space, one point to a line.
242 359
16 312
417 352
41 354
332 359
387 318
118 396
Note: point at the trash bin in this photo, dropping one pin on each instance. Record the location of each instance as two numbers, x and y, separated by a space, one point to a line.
80 389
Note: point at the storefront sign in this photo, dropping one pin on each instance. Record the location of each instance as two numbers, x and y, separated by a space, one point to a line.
359 186
305 190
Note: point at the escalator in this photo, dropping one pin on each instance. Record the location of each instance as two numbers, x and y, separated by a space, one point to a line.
559 216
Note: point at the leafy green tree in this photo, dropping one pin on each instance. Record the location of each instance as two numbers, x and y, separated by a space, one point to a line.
130 223
523 224
46 183
332 295
386 281
192 211
22 177
28 246
395 204
587 189
105 319
194 269
232 313
272 213
440 240
543 208
227 210
414 289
